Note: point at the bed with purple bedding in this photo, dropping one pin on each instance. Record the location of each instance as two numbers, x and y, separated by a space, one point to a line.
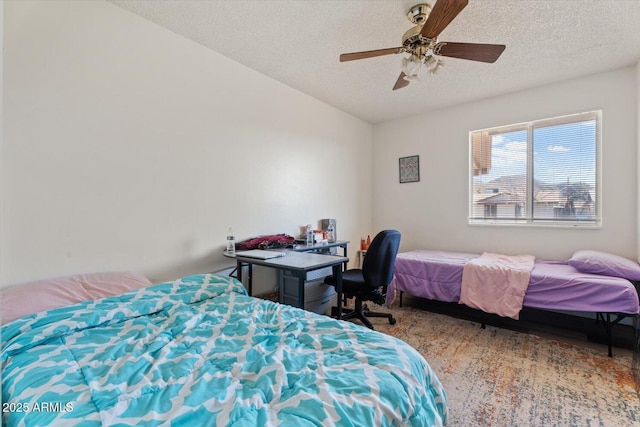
554 285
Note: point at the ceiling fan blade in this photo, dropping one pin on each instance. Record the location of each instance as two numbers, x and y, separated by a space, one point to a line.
472 51
443 12
369 54
401 82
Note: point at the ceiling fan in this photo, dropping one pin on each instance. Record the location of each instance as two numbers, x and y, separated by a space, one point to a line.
422 42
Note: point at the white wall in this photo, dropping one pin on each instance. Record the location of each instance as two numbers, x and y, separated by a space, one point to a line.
128 147
433 213
638 166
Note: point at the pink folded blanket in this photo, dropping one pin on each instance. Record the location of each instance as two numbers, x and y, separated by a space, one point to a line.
496 283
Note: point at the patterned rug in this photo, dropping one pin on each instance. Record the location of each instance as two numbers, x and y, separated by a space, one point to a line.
498 377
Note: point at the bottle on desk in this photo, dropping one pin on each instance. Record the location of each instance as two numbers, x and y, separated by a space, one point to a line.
331 233
309 235
231 242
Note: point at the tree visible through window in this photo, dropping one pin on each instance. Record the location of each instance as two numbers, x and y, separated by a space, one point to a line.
543 171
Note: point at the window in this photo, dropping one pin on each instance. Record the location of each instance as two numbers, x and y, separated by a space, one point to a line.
542 172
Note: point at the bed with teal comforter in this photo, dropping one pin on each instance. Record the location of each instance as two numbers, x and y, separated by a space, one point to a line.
199 351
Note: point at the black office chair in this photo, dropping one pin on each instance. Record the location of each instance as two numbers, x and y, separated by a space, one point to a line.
370 283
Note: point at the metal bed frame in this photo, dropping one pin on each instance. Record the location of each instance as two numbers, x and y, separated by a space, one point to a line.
608 323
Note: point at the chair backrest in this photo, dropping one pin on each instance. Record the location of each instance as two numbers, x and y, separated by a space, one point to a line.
379 262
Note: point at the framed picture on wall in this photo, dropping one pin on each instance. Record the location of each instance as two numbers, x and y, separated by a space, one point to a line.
409 169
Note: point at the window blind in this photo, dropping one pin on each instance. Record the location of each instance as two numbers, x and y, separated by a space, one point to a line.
541 171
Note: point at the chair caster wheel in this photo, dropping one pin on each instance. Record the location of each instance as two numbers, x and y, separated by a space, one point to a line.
392 321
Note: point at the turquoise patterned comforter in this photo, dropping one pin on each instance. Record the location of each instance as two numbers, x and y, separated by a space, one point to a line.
199 351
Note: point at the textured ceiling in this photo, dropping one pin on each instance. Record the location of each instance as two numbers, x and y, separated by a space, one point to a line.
298 42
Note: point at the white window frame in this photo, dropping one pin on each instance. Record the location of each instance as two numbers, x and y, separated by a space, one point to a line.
527 219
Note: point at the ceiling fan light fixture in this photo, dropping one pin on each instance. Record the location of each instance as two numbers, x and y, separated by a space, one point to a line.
432 64
418 68
411 66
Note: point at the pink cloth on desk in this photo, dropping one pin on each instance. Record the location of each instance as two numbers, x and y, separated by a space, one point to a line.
496 283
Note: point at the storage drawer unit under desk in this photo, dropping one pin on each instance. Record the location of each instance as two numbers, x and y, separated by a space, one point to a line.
314 286
318 296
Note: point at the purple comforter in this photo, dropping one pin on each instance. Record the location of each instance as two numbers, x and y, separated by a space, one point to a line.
554 285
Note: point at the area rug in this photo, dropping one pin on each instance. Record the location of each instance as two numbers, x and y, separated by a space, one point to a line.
499 377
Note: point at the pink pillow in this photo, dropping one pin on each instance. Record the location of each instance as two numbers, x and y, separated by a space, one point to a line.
22 300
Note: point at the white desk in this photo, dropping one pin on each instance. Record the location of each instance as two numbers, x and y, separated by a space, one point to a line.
299 264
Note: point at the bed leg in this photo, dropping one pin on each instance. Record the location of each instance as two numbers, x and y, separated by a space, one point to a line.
607 329
609 339
401 293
